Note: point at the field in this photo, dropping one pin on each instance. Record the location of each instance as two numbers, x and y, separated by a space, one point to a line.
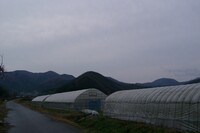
98 124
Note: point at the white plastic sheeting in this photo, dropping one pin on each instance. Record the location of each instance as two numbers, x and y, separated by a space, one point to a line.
78 100
40 98
68 97
90 112
174 106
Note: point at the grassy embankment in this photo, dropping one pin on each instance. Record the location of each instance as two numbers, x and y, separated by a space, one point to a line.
3 112
98 124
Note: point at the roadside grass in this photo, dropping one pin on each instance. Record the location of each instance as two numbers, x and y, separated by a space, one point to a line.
3 112
97 124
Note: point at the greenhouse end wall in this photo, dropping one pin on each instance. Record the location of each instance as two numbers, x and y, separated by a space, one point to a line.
175 107
92 99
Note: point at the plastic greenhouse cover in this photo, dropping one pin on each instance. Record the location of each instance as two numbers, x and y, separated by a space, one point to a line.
171 106
181 93
69 97
40 98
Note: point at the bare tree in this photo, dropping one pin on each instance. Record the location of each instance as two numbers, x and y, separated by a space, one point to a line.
2 68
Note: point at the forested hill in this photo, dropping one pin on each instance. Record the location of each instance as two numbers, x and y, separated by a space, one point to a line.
98 81
27 82
109 85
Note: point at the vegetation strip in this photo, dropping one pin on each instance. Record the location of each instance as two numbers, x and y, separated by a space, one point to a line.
97 124
3 112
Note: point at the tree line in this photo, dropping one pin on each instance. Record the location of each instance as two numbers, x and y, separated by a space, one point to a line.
3 92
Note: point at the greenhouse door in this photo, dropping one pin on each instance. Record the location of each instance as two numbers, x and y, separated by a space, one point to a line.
94 105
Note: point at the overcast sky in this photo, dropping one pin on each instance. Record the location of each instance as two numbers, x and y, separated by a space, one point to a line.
129 40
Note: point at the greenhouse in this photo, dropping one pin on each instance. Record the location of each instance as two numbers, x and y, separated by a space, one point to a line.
175 106
40 99
82 99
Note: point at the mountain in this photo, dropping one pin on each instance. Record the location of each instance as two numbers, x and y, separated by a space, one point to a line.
27 82
98 81
162 82
197 80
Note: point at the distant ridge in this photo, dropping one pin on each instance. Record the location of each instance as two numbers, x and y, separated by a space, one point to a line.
95 80
22 81
197 80
162 82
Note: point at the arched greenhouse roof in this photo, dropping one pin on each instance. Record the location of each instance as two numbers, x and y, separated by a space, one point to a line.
171 94
69 97
40 98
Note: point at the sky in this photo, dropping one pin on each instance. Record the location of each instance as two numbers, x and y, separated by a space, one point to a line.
129 40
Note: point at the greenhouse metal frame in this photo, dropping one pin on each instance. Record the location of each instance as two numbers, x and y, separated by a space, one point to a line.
175 106
40 99
76 100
